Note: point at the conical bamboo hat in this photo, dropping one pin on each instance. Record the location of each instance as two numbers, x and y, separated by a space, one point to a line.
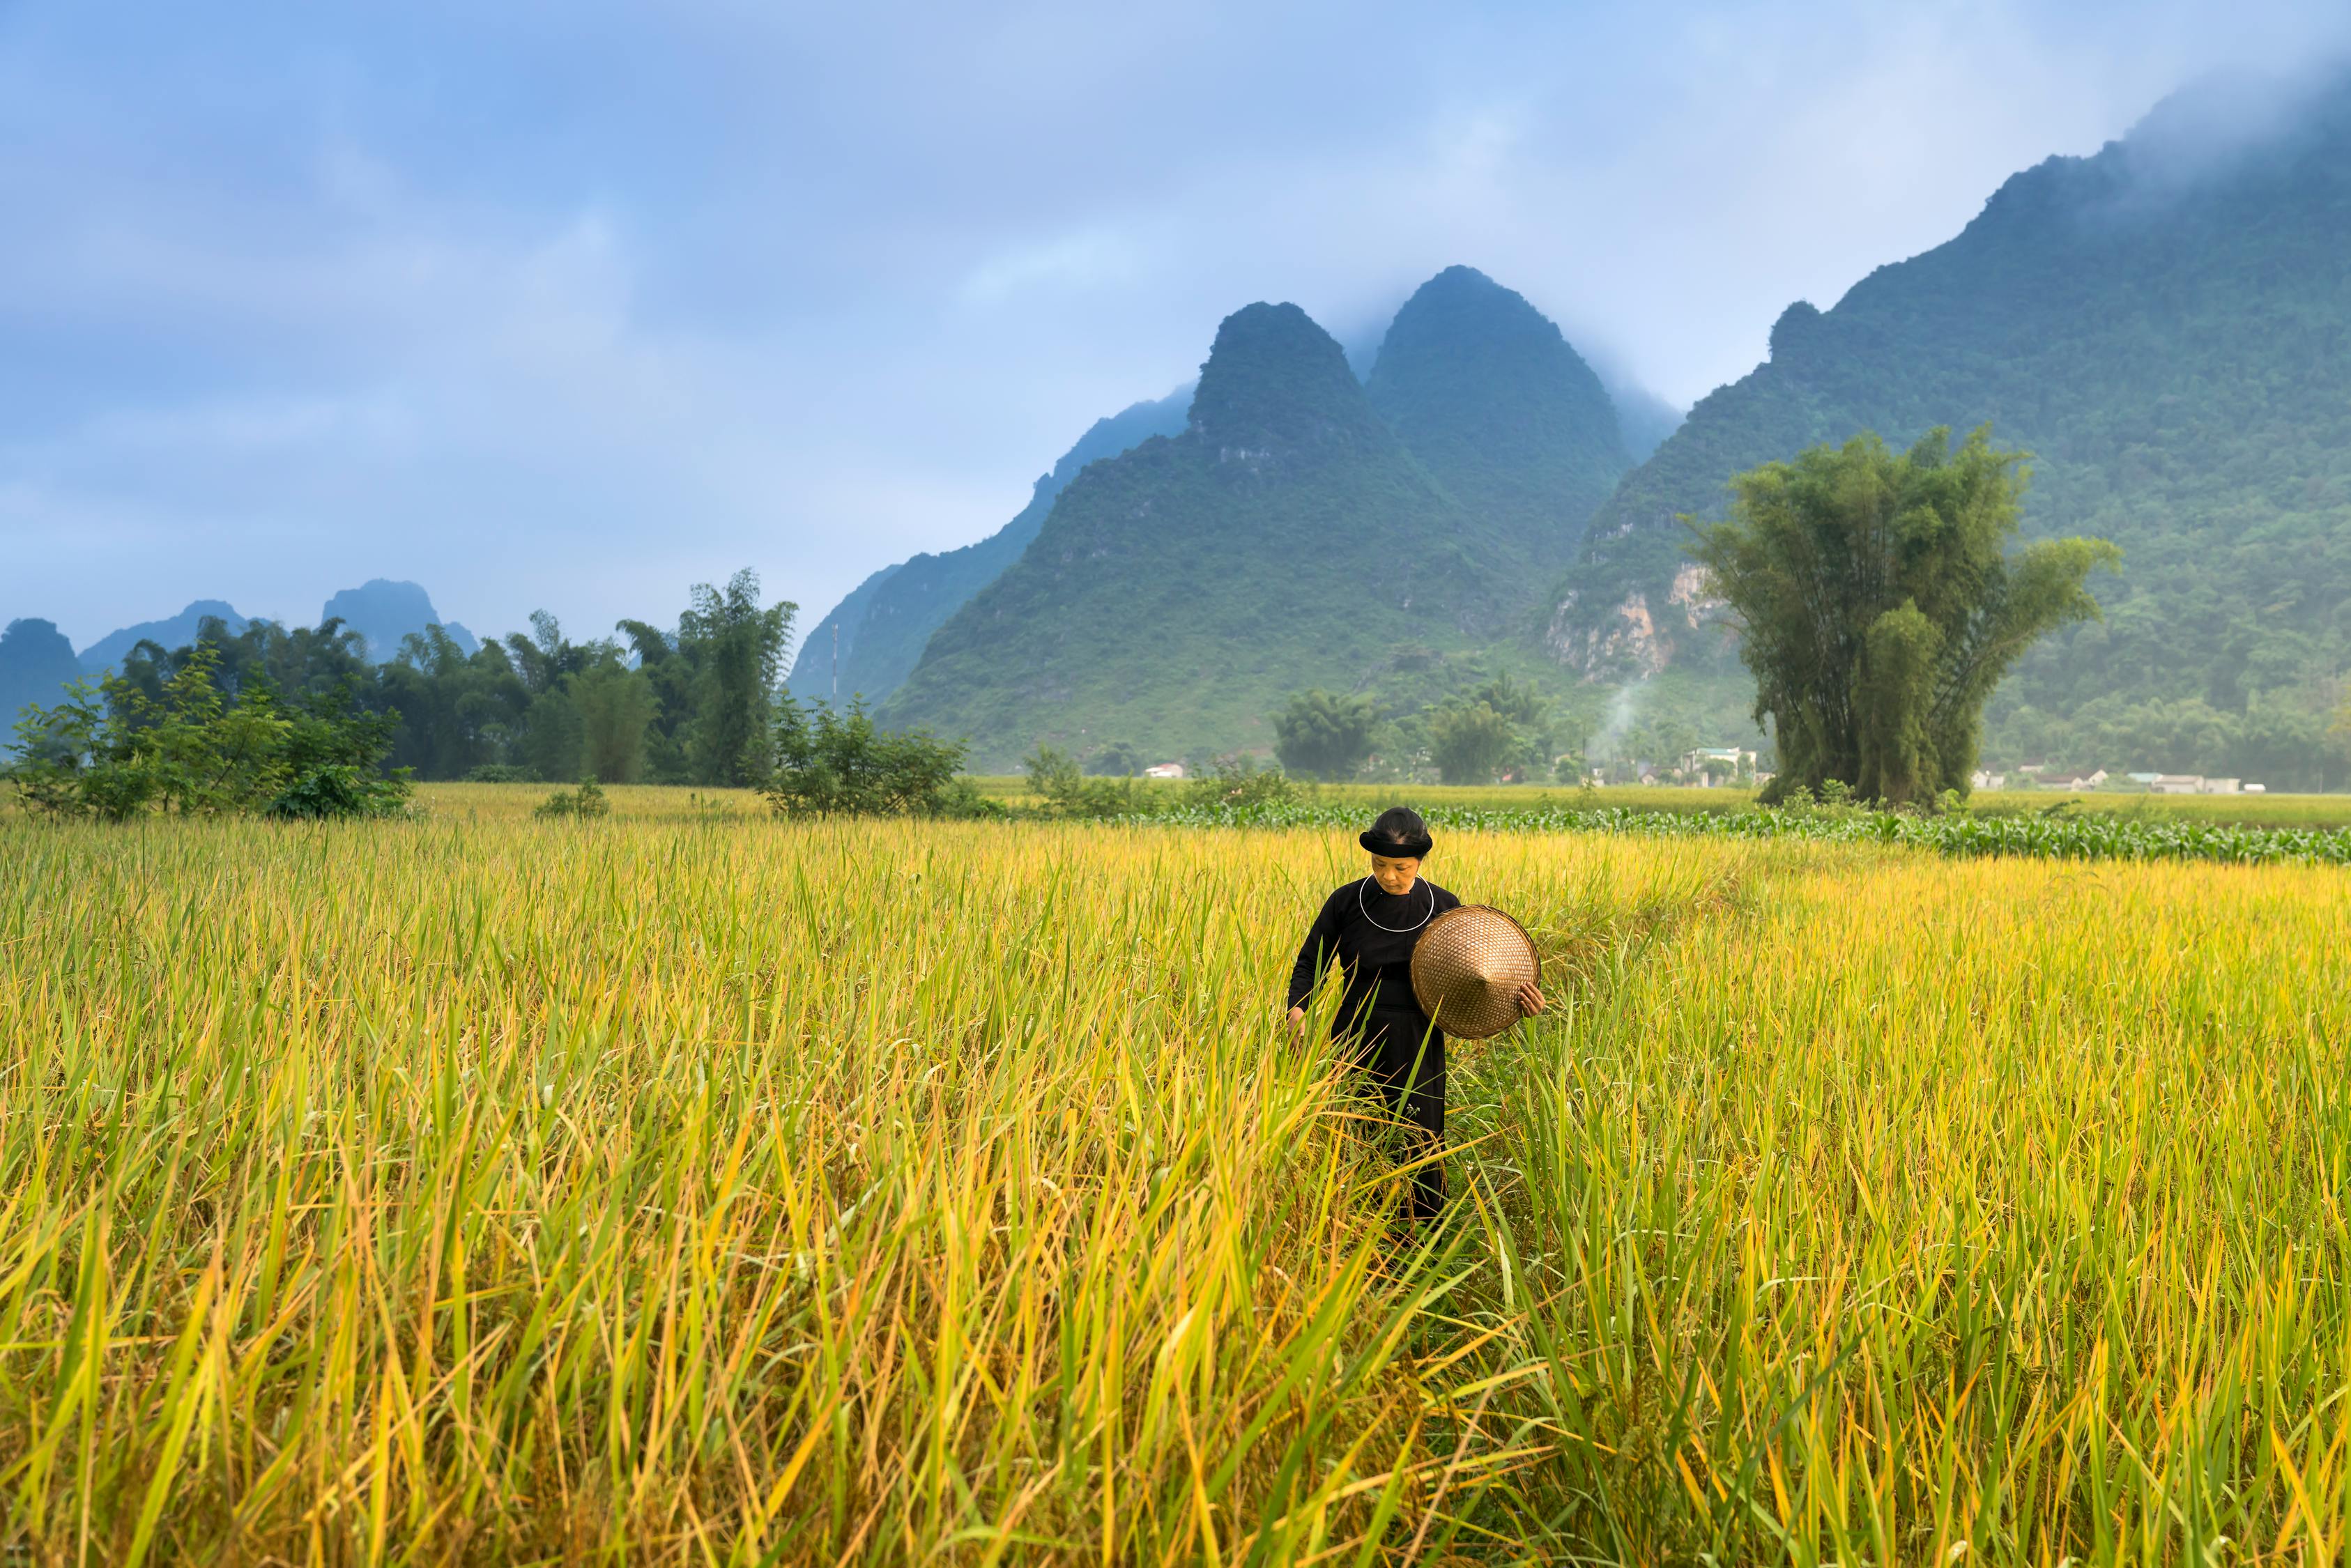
1467 968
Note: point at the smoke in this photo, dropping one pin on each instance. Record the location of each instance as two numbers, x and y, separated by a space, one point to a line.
1625 706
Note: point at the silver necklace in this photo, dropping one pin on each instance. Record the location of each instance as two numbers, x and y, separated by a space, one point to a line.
1364 909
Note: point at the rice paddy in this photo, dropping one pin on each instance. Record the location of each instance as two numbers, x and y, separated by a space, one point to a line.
692 1187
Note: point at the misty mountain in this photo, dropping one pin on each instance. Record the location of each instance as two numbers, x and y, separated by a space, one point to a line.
383 612
1482 387
1286 538
2166 326
174 631
1642 418
885 622
36 662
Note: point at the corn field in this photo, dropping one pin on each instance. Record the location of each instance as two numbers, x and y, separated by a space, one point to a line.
700 1189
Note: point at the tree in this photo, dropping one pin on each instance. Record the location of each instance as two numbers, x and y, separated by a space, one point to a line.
829 763
1470 741
616 705
738 649
1119 759
1879 608
1323 735
191 749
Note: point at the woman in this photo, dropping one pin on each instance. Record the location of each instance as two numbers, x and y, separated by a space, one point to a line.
1371 926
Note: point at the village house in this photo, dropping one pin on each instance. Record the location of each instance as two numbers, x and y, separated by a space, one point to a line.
1163 770
2175 784
2076 782
1983 778
1712 765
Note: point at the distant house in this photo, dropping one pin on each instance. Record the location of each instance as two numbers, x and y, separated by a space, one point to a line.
1711 763
2219 787
1983 778
1163 770
2074 781
2257 788
2175 784
2143 779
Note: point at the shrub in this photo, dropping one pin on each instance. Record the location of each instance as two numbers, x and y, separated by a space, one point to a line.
1238 783
1054 779
588 801
498 773
114 751
831 764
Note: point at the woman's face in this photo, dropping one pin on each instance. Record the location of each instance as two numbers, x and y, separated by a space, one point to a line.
1395 874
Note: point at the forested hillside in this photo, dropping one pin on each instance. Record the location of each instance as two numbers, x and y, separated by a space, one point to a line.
1482 387
1390 538
1285 538
884 624
2167 329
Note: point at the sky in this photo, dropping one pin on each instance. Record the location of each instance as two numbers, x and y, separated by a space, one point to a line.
571 306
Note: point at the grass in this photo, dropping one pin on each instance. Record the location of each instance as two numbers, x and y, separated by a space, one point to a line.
677 1187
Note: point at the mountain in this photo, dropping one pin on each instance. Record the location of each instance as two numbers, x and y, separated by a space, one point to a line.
383 612
2166 326
1643 417
885 622
1482 387
835 636
36 662
176 631
1175 593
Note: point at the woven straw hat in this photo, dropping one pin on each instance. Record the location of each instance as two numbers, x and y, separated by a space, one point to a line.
1467 968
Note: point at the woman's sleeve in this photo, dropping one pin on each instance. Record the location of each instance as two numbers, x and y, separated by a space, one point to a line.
1315 953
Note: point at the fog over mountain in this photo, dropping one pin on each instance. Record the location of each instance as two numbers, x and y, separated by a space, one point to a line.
2166 327
296 298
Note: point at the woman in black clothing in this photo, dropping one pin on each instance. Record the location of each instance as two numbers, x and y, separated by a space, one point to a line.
1371 928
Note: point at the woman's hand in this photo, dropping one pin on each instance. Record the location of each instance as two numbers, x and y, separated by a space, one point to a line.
1531 1001
1298 1022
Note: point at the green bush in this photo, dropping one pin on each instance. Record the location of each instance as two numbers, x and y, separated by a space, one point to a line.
588 801
117 750
832 764
1239 783
1064 792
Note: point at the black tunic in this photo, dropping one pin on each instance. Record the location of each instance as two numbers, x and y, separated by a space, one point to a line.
1372 934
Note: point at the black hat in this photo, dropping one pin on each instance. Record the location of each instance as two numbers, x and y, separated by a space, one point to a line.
1398 832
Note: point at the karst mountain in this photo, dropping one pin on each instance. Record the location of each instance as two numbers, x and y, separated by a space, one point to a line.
1302 529
866 645
2166 326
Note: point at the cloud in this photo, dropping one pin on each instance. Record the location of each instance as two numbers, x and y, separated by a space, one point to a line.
576 307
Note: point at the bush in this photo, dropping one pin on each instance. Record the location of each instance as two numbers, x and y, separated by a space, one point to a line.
1237 783
114 751
829 763
1054 779
588 801
498 773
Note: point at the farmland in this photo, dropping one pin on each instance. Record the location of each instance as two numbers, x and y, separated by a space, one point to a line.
690 1186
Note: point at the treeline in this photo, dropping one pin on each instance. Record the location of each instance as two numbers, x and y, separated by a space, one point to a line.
696 705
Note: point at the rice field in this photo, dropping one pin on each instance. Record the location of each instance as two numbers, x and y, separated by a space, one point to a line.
692 1187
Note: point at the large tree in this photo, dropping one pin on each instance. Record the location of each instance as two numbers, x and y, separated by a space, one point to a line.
736 648
1325 735
1879 605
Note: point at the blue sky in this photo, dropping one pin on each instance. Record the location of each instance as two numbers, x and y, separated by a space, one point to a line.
574 305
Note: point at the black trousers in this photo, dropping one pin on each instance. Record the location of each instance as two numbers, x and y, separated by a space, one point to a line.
1405 1059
